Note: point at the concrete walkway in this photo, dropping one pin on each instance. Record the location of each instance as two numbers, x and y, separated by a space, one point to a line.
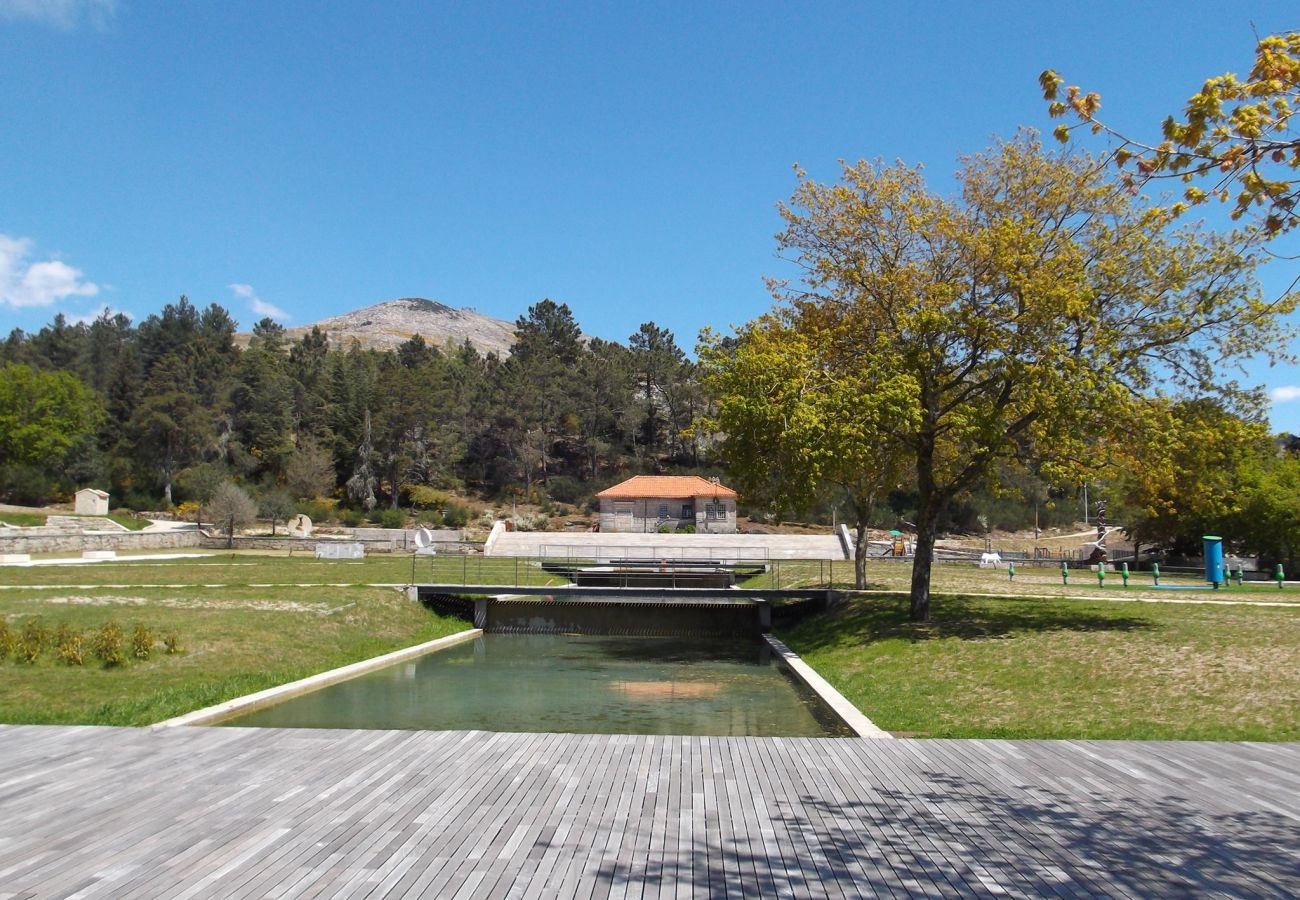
232 812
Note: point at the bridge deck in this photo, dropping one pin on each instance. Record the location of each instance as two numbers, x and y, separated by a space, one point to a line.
230 812
574 593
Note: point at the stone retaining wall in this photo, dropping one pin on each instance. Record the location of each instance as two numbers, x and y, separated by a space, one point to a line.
75 543
299 545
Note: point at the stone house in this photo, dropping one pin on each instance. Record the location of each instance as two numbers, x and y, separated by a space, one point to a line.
648 503
91 502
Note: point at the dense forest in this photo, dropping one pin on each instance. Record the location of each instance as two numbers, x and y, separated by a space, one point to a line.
162 412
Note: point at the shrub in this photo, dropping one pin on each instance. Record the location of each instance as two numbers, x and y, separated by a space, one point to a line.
27 650
172 642
351 517
457 515
392 518
108 644
665 529
686 529
425 497
141 642
72 647
35 634
317 510
567 489
6 639
375 516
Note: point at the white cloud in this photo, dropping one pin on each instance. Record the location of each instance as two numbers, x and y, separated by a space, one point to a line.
1285 394
64 14
27 283
257 304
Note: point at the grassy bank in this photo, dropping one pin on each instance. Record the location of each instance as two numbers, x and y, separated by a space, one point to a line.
1043 668
1029 581
241 568
234 640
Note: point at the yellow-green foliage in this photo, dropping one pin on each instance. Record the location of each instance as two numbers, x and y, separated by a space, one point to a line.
1236 137
141 641
108 644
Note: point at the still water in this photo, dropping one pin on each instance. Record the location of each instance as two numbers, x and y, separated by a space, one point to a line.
571 683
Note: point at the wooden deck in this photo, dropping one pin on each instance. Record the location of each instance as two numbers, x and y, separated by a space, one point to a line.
230 813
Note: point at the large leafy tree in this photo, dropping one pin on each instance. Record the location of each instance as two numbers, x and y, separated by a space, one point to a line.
1025 316
43 415
795 425
1185 470
1235 140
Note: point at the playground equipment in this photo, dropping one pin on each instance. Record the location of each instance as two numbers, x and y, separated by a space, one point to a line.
1213 545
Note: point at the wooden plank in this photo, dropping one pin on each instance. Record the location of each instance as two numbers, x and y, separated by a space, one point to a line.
235 813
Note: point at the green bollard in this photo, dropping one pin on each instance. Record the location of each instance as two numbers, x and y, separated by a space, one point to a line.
1279 576
1241 575
1101 575
1155 573
1011 571
1065 573
1123 573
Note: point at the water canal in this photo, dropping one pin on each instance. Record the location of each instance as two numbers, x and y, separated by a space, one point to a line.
572 683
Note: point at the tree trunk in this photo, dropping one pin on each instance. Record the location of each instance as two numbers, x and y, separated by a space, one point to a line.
922 564
860 546
927 520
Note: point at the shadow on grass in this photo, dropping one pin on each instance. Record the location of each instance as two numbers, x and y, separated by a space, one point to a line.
865 620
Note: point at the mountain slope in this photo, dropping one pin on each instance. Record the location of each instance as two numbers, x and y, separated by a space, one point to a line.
384 326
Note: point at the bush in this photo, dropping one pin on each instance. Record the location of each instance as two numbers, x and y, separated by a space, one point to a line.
141 642
108 645
665 529
686 529
567 489
457 515
172 642
6 639
316 510
351 517
72 647
35 634
424 497
392 518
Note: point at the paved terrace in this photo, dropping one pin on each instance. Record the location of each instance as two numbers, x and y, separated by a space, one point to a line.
226 812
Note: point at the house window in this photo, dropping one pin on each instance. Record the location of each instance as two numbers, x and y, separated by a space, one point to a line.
715 512
663 510
687 511
623 511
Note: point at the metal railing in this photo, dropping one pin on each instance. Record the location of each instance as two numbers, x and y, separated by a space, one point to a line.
539 571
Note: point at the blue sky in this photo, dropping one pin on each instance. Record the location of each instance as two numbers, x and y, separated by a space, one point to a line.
305 159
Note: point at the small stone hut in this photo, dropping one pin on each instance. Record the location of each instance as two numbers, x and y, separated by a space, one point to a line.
91 502
650 503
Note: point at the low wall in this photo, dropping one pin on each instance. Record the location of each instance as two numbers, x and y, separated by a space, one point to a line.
628 619
292 544
75 543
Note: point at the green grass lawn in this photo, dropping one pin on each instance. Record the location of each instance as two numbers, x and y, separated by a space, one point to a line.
1045 668
234 640
248 567
22 520
1029 581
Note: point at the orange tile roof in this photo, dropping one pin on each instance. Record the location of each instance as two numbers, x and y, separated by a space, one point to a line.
670 487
